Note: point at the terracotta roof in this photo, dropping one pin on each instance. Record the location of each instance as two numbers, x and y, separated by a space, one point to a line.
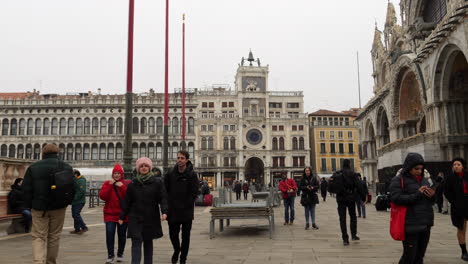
14 95
324 112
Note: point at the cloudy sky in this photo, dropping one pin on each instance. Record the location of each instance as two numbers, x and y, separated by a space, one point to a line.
58 46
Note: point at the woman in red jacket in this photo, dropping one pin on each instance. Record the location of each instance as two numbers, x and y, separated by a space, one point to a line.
113 193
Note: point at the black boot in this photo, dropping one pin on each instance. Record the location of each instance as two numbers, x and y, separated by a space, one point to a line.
175 257
346 242
355 238
464 255
307 226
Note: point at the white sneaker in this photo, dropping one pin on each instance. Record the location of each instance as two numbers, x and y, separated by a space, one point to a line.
119 259
110 261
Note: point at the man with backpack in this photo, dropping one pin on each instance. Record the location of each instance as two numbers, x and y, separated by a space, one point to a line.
48 189
345 184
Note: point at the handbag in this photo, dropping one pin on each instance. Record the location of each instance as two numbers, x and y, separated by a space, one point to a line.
397 219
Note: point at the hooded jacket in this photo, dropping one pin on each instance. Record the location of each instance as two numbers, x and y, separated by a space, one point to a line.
419 215
453 190
15 199
182 190
309 197
108 193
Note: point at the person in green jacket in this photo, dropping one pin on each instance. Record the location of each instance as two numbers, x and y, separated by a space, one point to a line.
78 204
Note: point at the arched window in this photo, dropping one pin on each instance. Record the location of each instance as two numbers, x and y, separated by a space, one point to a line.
45 131
281 143
159 125
203 143
30 130
20 154
151 126
151 150
86 151
4 151
69 151
135 128
28 151
191 126
226 143
183 146
71 126
169 126
275 144
11 151
38 127
87 126
95 126
294 143
61 152
110 152
143 127
175 126
79 126
22 127
118 152
102 151
13 127
103 126
142 150
63 126
191 150
233 143
135 150
111 127
434 10
94 151
301 143
210 143
5 128
37 152
119 126
78 154
175 149
54 130
158 151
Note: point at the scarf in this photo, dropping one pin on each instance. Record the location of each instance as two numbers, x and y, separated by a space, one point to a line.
465 186
143 178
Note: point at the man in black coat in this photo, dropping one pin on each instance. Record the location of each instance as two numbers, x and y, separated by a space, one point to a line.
346 200
182 189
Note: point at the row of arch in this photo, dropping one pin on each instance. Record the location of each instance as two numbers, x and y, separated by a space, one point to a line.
97 151
89 126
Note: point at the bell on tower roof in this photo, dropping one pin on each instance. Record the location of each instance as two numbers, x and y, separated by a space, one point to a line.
251 58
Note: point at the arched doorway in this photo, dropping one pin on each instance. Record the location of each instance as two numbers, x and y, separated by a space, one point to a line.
254 170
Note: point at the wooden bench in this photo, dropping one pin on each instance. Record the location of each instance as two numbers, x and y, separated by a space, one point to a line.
11 223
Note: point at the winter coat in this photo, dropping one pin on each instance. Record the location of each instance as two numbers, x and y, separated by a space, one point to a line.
323 187
182 190
36 183
245 187
142 204
15 200
453 190
112 207
285 185
238 187
80 190
309 197
419 215
352 187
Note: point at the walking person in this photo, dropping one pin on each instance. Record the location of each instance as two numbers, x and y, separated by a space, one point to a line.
113 193
182 188
324 188
288 190
245 189
456 191
48 214
16 203
146 206
411 189
78 203
346 198
360 202
238 190
309 199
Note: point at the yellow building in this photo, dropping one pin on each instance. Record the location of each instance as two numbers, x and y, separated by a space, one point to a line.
333 138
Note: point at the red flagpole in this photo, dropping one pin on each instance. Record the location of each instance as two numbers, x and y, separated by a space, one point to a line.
130 47
183 77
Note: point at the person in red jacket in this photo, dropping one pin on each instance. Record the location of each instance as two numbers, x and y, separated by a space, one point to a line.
113 193
288 189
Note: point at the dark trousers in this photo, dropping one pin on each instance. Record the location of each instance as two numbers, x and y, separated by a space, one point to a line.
238 195
110 238
245 195
27 219
174 230
78 222
289 209
147 249
342 206
361 207
324 196
414 247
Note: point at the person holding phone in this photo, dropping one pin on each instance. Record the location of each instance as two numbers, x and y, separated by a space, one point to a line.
456 191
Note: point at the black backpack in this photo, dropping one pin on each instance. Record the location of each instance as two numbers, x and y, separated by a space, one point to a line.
336 182
62 187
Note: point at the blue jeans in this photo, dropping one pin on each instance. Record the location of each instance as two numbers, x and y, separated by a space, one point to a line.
361 207
110 238
289 204
27 216
78 222
310 211
147 248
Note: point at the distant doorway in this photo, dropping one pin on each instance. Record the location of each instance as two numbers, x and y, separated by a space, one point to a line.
254 170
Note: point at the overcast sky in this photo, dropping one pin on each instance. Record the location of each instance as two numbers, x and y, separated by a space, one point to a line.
58 46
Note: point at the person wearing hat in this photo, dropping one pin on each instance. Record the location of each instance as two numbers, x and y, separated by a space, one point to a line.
113 192
456 191
411 189
47 223
146 206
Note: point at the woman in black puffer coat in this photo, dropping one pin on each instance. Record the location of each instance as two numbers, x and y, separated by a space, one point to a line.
417 195
456 191
309 186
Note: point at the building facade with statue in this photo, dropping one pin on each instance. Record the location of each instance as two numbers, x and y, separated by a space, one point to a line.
421 89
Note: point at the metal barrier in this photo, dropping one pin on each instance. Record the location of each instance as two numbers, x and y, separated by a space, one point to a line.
94 199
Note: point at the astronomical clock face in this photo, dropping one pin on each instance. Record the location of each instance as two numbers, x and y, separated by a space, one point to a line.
254 136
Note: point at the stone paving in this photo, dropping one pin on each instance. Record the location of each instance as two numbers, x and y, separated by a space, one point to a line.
247 241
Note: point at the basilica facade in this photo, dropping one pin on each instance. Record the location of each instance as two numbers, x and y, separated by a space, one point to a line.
421 89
